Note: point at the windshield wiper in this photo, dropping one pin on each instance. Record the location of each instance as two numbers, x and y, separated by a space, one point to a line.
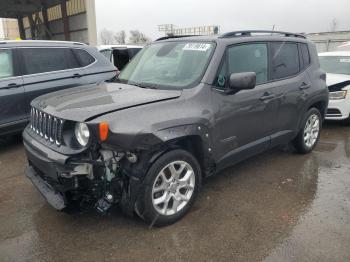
144 85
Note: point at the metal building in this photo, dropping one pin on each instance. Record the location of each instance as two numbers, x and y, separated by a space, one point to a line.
329 41
170 29
71 20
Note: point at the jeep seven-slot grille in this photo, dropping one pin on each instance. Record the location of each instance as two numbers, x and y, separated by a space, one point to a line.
46 126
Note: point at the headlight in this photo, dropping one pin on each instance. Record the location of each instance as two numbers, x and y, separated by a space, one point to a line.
82 133
337 95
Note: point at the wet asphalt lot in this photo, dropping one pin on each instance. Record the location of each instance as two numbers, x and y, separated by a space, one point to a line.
278 206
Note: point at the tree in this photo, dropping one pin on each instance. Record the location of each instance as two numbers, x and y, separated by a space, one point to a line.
120 37
333 25
136 37
106 37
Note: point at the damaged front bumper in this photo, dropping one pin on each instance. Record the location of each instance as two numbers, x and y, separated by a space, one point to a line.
63 179
55 199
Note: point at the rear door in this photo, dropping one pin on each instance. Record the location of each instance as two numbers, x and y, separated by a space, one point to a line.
290 81
48 69
12 104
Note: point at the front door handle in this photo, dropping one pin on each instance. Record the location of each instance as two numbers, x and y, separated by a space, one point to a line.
304 86
76 75
267 96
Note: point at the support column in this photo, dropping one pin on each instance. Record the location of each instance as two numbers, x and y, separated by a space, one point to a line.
91 21
45 18
65 20
32 26
22 32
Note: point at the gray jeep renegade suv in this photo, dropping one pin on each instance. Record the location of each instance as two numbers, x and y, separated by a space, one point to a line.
183 109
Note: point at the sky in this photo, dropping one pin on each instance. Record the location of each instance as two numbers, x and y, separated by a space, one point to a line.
287 15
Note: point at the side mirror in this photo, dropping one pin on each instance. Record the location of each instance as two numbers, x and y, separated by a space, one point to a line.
242 81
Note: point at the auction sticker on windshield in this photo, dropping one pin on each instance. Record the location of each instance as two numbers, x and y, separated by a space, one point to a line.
196 47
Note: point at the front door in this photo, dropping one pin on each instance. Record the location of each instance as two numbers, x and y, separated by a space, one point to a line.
244 120
12 107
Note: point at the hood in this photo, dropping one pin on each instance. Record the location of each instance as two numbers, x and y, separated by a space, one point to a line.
87 102
333 79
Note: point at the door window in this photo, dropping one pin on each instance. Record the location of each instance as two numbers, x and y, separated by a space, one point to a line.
40 60
285 60
6 63
249 58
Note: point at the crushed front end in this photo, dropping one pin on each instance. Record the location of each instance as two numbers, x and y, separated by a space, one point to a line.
68 173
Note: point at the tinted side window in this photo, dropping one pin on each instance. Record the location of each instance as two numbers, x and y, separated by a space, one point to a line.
6 63
107 53
40 60
305 54
249 58
285 60
84 58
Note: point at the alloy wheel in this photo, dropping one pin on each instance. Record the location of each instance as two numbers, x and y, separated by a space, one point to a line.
173 188
311 130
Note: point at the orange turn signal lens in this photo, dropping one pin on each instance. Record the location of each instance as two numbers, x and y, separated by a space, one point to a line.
103 127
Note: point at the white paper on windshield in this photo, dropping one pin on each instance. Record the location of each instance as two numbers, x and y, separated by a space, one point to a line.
345 60
196 47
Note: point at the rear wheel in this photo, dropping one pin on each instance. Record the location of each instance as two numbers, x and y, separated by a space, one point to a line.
171 186
309 134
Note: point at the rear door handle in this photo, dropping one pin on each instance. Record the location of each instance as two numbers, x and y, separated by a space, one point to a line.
267 96
304 86
12 85
76 75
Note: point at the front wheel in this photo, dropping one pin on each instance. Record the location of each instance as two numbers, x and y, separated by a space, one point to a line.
309 134
171 186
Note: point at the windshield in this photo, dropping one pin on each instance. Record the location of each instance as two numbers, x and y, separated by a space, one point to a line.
171 65
336 64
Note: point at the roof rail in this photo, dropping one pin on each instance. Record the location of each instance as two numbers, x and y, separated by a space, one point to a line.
41 41
173 36
250 32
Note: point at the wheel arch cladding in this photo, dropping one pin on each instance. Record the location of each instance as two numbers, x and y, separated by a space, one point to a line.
195 139
321 106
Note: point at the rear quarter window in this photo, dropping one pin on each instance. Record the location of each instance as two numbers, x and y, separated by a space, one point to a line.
305 55
83 57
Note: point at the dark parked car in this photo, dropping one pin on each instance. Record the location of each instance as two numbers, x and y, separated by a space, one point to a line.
29 69
119 55
183 109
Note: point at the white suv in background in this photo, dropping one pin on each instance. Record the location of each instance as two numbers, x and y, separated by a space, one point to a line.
337 66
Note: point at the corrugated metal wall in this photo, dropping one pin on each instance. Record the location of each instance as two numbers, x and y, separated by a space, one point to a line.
74 7
77 18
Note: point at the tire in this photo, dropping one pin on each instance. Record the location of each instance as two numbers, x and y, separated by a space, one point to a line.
163 193
305 143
